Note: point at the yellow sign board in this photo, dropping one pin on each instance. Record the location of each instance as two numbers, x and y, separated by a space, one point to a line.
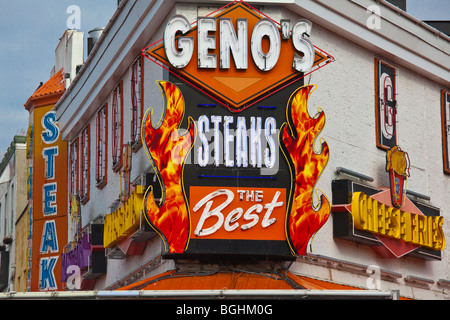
125 220
376 217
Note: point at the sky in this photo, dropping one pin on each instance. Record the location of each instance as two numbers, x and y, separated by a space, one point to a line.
30 31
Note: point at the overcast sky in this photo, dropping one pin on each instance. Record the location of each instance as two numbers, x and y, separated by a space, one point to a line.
30 31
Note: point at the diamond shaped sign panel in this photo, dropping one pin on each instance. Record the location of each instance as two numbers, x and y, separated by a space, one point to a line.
238 88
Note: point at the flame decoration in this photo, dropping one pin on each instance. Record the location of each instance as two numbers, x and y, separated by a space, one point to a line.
167 150
297 139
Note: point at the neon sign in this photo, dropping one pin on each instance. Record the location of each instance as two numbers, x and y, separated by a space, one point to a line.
213 54
397 164
49 216
386 105
374 216
236 43
367 215
234 149
124 221
262 140
49 240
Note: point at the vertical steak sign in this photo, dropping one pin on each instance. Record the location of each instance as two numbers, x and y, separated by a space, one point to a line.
234 150
49 199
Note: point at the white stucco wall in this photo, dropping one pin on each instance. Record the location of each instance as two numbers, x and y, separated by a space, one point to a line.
346 94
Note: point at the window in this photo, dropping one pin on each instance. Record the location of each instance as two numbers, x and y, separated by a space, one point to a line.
136 103
5 223
84 165
386 105
13 207
101 146
117 128
73 163
445 113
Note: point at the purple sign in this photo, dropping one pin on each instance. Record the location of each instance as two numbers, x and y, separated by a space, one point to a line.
78 256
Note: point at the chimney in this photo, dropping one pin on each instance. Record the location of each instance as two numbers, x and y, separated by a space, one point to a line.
92 39
69 54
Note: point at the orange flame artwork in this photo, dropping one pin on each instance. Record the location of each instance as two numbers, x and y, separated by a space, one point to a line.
167 150
297 139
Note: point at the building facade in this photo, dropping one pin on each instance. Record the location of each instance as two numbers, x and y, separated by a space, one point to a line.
12 206
156 137
43 227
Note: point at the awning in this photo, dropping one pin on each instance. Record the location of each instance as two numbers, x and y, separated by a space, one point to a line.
220 284
216 280
241 280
